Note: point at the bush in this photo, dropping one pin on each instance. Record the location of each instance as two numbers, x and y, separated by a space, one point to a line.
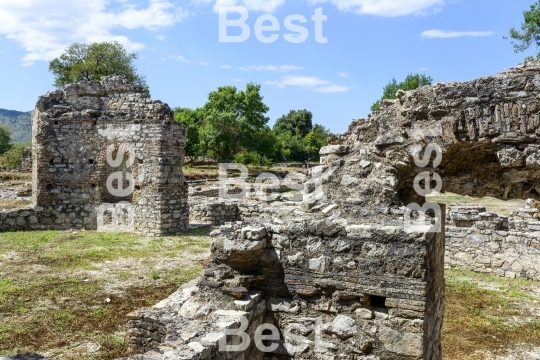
252 158
247 158
12 159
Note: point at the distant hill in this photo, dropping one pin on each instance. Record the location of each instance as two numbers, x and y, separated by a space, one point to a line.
20 124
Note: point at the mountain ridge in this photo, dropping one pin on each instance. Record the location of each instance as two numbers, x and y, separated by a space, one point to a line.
20 124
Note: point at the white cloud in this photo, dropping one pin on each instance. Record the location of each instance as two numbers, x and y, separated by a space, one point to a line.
274 68
161 37
226 67
332 89
343 74
181 59
267 6
46 27
237 80
443 34
204 63
424 69
388 8
309 83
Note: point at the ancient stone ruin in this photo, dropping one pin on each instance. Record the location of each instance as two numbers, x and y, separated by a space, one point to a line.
346 269
105 157
339 274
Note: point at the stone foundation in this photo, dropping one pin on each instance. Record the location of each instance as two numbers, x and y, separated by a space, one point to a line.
333 289
481 241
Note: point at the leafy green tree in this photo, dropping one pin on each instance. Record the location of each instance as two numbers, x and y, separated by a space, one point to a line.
233 121
5 139
290 147
530 30
411 82
192 119
92 62
12 159
297 122
315 140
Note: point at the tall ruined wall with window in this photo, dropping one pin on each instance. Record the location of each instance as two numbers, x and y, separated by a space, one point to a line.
105 157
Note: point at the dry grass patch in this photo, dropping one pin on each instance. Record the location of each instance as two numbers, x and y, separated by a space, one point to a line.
10 204
488 315
15 176
501 207
62 290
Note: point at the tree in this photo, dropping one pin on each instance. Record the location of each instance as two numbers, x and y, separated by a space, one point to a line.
192 119
296 122
290 147
530 30
315 140
92 62
233 121
12 159
411 82
5 139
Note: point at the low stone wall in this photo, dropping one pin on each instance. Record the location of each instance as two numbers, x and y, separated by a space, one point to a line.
334 289
37 218
189 325
219 212
481 241
213 212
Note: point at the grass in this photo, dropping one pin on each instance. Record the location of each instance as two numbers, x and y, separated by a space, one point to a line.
50 301
54 287
83 249
481 313
15 176
10 204
501 207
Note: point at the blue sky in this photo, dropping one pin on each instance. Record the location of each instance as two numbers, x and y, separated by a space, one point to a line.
369 42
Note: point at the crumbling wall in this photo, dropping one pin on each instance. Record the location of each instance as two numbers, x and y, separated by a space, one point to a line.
479 240
334 289
26 155
488 128
213 212
342 275
94 136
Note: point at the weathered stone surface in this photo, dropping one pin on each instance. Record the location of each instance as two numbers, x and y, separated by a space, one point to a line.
388 139
334 149
511 157
342 326
76 132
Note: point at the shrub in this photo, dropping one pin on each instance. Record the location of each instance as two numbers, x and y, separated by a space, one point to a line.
12 159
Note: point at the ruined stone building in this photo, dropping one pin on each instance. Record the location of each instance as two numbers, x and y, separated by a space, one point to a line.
342 275
105 157
352 271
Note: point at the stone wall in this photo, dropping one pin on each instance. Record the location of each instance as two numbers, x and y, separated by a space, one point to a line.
94 136
213 212
186 326
337 274
488 129
334 289
26 164
478 240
